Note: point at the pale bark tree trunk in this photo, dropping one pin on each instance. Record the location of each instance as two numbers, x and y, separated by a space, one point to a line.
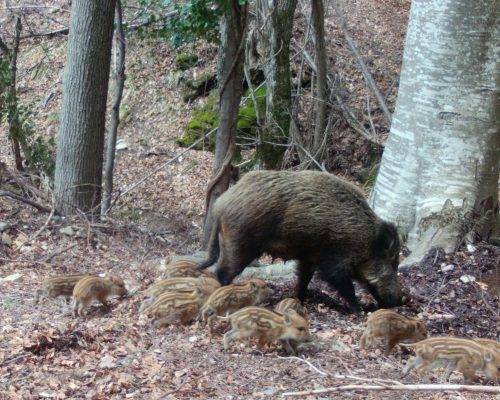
440 164
278 15
115 114
233 30
321 96
80 143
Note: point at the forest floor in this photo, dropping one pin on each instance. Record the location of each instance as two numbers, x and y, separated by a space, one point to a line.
113 354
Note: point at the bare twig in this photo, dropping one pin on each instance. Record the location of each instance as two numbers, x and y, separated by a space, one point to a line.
65 31
252 93
315 369
62 31
56 253
364 70
346 112
400 387
37 232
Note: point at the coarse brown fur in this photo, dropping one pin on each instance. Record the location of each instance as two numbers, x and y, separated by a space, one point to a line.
182 305
206 285
492 344
96 288
56 286
231 298
183 269
267 326
393 328
289 304
464 355
313 217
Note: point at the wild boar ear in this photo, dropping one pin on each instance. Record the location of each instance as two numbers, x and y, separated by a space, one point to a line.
287 319
386 241
488 357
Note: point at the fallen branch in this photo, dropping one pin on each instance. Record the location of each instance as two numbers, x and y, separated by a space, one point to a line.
39 207
65 31
364 70
62 31
29 240
401 387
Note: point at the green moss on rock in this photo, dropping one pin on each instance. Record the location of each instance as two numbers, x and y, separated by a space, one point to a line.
206 118
185 61
203 120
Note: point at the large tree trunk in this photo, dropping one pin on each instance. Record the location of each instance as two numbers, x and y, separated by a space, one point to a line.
321 97
80 143
439 171
233 29
278 15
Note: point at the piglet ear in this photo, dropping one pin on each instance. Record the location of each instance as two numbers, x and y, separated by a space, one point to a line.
488 357
287 319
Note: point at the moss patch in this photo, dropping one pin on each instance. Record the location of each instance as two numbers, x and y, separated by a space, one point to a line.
203 120
185 61
206 118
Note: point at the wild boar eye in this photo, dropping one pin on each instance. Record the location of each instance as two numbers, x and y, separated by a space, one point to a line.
301 329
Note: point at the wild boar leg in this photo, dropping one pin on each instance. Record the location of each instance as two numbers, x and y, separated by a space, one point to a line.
390 345
415 362
338 276
363 342
229 337
304 276
233 259
468 372
290 346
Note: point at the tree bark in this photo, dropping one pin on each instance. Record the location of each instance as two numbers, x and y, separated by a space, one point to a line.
233 30
278 15
441 158
80 143
15 133
115 114
321 98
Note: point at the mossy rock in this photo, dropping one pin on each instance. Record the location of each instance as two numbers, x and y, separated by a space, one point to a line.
247 115
206 118
185 61
201 86
203 120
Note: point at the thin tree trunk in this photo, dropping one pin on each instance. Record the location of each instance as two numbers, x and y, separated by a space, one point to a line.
441 157
12 113
321 98
233 29
278 15
79 158
115 114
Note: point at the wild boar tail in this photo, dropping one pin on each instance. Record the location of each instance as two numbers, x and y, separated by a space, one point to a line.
213 246
386 240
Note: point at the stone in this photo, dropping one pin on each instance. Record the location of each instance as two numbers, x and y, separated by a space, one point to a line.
4 226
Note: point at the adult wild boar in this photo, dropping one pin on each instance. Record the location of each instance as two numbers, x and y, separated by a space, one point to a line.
313 217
